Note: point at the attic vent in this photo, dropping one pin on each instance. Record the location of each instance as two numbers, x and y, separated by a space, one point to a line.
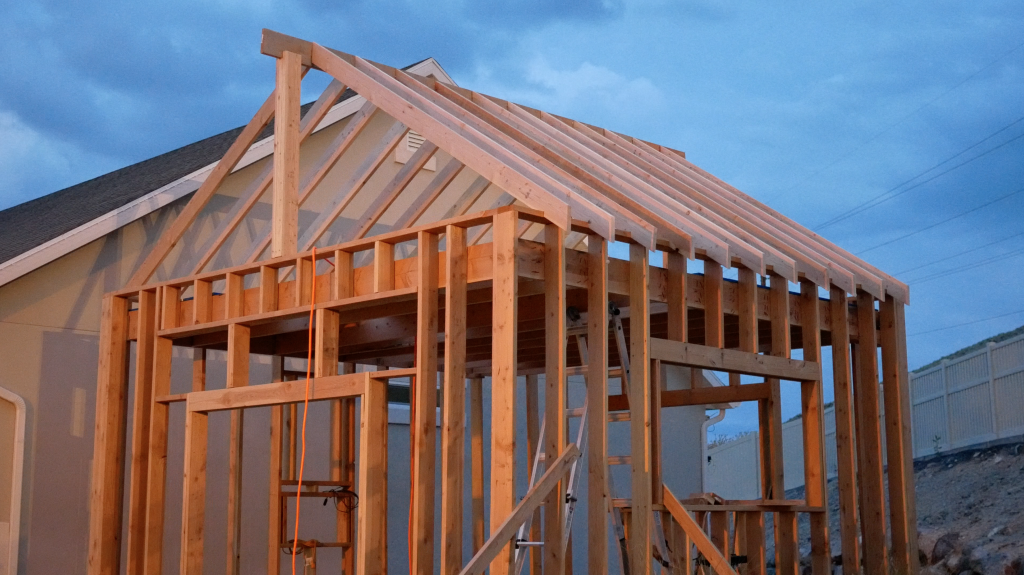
414 140
408 146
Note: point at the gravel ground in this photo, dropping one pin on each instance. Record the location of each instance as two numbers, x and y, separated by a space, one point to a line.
978 494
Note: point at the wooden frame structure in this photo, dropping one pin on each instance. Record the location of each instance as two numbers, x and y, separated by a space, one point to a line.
493 303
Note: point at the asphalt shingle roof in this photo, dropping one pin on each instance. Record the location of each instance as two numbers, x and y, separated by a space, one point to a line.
35 222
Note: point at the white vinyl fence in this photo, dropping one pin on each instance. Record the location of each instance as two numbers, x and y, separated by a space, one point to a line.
970 400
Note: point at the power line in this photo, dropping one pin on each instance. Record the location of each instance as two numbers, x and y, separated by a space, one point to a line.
901 120
956 255
892 193
967 323
979 264
949 219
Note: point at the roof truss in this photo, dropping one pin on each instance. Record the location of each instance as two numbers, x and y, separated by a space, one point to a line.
615 186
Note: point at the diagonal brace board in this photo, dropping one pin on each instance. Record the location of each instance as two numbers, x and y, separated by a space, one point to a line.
718 561
522 512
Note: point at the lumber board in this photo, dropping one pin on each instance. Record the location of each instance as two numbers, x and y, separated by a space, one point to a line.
320 388
276 468
193 507
437 127
156 484
869 467
142 414
503 380
714 318
899 449
499 125
476 460
718 562
262 183
731 360
387 196
715 395
106 496
554 391
845 438
598 497
426 197
812 410
639 411
285 204
424 406
453 430
170 237
786 554
532 461
372 551
356 180
237 377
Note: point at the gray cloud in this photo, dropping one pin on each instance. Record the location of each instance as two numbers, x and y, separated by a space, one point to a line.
813 108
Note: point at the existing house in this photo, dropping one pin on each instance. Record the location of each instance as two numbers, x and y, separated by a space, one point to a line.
460 240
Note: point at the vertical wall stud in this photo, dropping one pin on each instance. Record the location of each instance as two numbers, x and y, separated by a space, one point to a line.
869 435
554 391
598 500
503 378
425 402
453 440
639 411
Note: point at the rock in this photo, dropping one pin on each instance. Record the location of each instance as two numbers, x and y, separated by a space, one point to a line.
934 570
956 562
944 547
926 539
999 530
1015 567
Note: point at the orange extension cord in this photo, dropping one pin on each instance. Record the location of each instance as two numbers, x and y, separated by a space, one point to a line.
305 407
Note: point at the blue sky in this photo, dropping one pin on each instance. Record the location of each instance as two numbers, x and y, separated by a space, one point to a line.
813 108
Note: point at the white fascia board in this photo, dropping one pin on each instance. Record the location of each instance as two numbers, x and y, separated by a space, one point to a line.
90 231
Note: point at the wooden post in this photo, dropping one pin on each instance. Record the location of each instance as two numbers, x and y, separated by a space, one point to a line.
714 320
812 409
268 289
753 523
341 434
754 537
639 411
675 291
202 307
899 448
846 454
476 459
532 440
503 378
276 469
383 267
137 495
237 376
869 435
372 548
554 394
344 279
787 557
157 480
719 534
193 508
424 404
108 454
453 430
285 219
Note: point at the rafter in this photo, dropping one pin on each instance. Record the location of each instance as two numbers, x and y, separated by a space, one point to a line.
255 191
